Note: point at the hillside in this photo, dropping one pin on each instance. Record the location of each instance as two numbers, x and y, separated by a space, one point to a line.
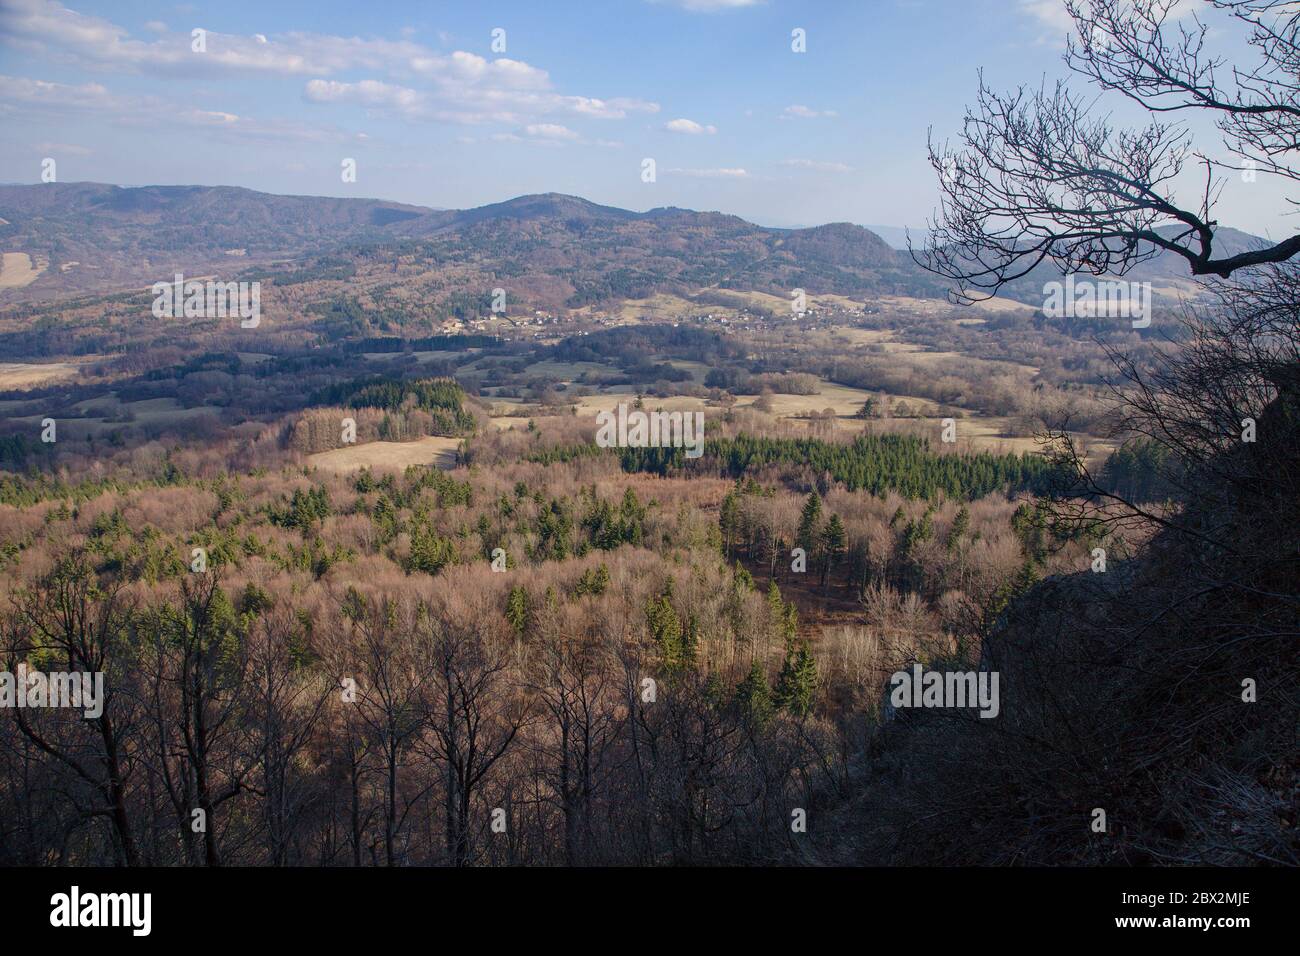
553 251
1132 692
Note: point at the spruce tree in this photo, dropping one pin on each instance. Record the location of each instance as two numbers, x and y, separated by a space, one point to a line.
691 640
810 523
753 697
960 525
517 609
665 627
729 520
775 612
834 542
796 686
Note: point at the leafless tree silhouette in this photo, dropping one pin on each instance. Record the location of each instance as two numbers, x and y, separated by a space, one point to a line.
1040 176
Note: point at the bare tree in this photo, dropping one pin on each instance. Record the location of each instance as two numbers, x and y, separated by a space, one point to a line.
82 626
578 695
199 696
390 702
473 713
288 703
1040 177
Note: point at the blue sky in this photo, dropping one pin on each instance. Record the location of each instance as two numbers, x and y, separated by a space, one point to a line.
582 94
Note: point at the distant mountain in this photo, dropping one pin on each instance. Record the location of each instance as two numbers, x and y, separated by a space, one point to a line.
1166 271
556 250
564 249
544 206
124 237
896 236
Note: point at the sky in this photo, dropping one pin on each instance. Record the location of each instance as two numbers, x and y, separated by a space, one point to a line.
457 104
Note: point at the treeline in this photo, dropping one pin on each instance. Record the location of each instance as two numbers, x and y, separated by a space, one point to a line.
739 382
876 464
627 346
441 398
431 343
1142 470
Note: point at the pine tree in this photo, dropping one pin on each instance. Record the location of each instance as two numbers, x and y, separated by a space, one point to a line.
775 611
665 627
796 686
753 697
834 542
789 625
810 523
691 640
517 609
729 520
960 525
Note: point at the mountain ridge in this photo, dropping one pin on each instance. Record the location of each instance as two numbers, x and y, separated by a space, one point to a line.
95 237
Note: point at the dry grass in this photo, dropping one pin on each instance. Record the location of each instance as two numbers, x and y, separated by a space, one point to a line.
591 404
842 399
507 422
15 375
388 455
18 270
659 306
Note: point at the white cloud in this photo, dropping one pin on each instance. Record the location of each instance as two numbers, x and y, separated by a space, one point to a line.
41 97
457 87
551 131
59 96
690 127
372 93
617 108
468 103
470 69
799 111
95 43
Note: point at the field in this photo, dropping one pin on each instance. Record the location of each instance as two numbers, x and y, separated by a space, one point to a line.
388 455
18 270
21 375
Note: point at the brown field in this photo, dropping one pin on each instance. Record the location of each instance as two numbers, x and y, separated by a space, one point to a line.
17 270
608 401
388 455
974 432
855 336
999 304
845 402
659 306
15 375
